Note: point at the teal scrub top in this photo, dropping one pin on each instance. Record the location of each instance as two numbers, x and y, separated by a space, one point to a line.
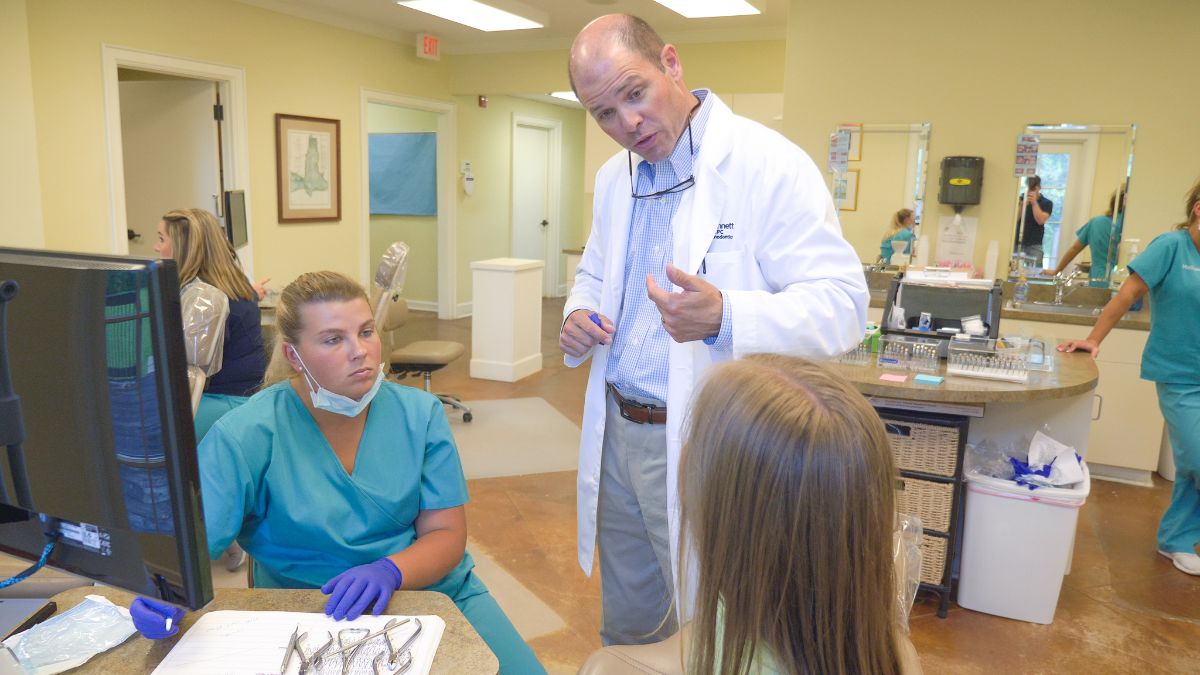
1170 266
269 479
1097 234
885 248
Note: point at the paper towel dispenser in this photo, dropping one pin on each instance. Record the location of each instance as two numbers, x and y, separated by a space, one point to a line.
961 183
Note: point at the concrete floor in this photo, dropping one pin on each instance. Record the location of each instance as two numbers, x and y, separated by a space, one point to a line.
1123 608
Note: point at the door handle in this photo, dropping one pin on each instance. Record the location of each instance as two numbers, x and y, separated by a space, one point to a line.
1100 407
545 223
131 235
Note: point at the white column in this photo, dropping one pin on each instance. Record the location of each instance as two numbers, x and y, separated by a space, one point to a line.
506 318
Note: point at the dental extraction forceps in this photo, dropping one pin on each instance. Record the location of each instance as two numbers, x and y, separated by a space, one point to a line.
293 645
399 659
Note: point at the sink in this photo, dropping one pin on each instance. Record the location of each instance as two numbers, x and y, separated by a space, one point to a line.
1051 308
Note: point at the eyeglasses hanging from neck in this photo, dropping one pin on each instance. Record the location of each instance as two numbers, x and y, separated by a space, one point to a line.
678 187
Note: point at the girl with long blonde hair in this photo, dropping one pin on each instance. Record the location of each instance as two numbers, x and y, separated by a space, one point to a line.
787 489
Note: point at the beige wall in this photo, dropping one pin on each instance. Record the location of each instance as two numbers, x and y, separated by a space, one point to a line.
20 187
965 67
292 66
485 217
419 232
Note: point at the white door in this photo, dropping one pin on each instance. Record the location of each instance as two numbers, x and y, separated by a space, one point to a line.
170 145
1067 168
533 200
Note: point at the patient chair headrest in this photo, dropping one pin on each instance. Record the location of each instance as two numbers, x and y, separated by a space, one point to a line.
389 276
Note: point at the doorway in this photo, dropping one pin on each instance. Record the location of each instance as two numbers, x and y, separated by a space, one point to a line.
170 141
1066 165
444 119
214 155
536 179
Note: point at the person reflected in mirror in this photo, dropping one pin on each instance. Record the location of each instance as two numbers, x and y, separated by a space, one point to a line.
899 236
783 463
1100 234
1169 271
1037 211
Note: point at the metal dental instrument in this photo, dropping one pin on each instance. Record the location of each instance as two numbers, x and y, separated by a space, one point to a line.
343 647
352 648
287 653
397 654
315 659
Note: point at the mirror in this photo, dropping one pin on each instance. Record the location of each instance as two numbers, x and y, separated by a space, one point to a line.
1084 172
885 173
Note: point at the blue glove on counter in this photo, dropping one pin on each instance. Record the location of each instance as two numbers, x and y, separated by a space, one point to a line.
155 620
351 591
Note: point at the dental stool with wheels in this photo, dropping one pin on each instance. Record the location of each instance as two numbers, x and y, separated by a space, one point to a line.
391 312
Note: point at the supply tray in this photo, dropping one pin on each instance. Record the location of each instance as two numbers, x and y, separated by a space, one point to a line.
988 359
904 352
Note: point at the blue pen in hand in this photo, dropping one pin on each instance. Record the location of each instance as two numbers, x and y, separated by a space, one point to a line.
595 319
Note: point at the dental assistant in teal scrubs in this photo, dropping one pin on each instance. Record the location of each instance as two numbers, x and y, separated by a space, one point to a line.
332 478
1169 270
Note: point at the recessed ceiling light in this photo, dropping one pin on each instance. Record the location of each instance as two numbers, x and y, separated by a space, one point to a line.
700 9
471 13
565 95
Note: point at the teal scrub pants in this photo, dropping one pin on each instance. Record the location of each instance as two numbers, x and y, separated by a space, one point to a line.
212 407
1179 530
514 654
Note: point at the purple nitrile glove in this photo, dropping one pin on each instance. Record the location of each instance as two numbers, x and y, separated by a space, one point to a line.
153 619
351 591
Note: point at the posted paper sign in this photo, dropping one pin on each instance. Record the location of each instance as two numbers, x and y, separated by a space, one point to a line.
956 239
839 151
1025 163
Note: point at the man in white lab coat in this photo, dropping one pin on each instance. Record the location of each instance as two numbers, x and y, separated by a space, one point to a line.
717 240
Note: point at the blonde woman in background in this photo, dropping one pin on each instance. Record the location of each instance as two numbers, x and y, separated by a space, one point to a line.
899 232
787 486
195 239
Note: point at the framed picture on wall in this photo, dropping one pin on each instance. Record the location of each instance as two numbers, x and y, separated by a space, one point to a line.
856 137
845 191
308 168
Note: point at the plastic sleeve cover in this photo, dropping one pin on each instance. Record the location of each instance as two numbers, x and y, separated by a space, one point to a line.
205 310
391 271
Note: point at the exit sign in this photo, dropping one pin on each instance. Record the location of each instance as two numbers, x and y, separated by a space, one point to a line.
427 47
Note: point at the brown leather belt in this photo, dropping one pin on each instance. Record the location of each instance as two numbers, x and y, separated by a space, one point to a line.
639 413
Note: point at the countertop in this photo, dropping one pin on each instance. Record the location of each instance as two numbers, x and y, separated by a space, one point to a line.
1139 320
1070 375
460 651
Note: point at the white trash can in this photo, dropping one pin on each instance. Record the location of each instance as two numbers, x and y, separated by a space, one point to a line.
1017 546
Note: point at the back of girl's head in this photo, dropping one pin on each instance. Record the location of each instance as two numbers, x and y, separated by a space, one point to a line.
787 486
308 288
202 250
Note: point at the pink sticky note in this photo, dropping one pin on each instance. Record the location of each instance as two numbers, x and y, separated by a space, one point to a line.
887 377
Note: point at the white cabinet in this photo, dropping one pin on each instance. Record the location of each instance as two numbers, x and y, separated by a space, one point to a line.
1127 426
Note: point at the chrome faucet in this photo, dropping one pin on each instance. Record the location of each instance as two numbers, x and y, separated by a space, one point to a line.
1061 283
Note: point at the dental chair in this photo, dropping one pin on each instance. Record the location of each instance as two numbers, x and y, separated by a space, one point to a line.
422 357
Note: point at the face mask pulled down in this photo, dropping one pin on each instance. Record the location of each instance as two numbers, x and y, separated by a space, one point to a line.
323 399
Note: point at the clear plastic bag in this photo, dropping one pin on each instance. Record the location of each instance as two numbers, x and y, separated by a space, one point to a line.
389 277
68 640
906 551
205 310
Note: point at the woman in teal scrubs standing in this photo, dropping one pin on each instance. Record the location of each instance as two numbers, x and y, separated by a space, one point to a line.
899 235
1169 270
1101 234
332 478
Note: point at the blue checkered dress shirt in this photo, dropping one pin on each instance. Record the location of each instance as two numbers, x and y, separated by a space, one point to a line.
637 363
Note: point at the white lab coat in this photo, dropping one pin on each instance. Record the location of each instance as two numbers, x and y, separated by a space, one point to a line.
795 286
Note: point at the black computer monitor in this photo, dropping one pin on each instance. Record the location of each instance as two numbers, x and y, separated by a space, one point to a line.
235 218
107 463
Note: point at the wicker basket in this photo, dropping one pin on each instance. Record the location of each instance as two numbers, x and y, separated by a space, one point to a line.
933 559
931 502
927 448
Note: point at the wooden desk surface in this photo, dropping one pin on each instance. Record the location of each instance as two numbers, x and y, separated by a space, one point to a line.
460 651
